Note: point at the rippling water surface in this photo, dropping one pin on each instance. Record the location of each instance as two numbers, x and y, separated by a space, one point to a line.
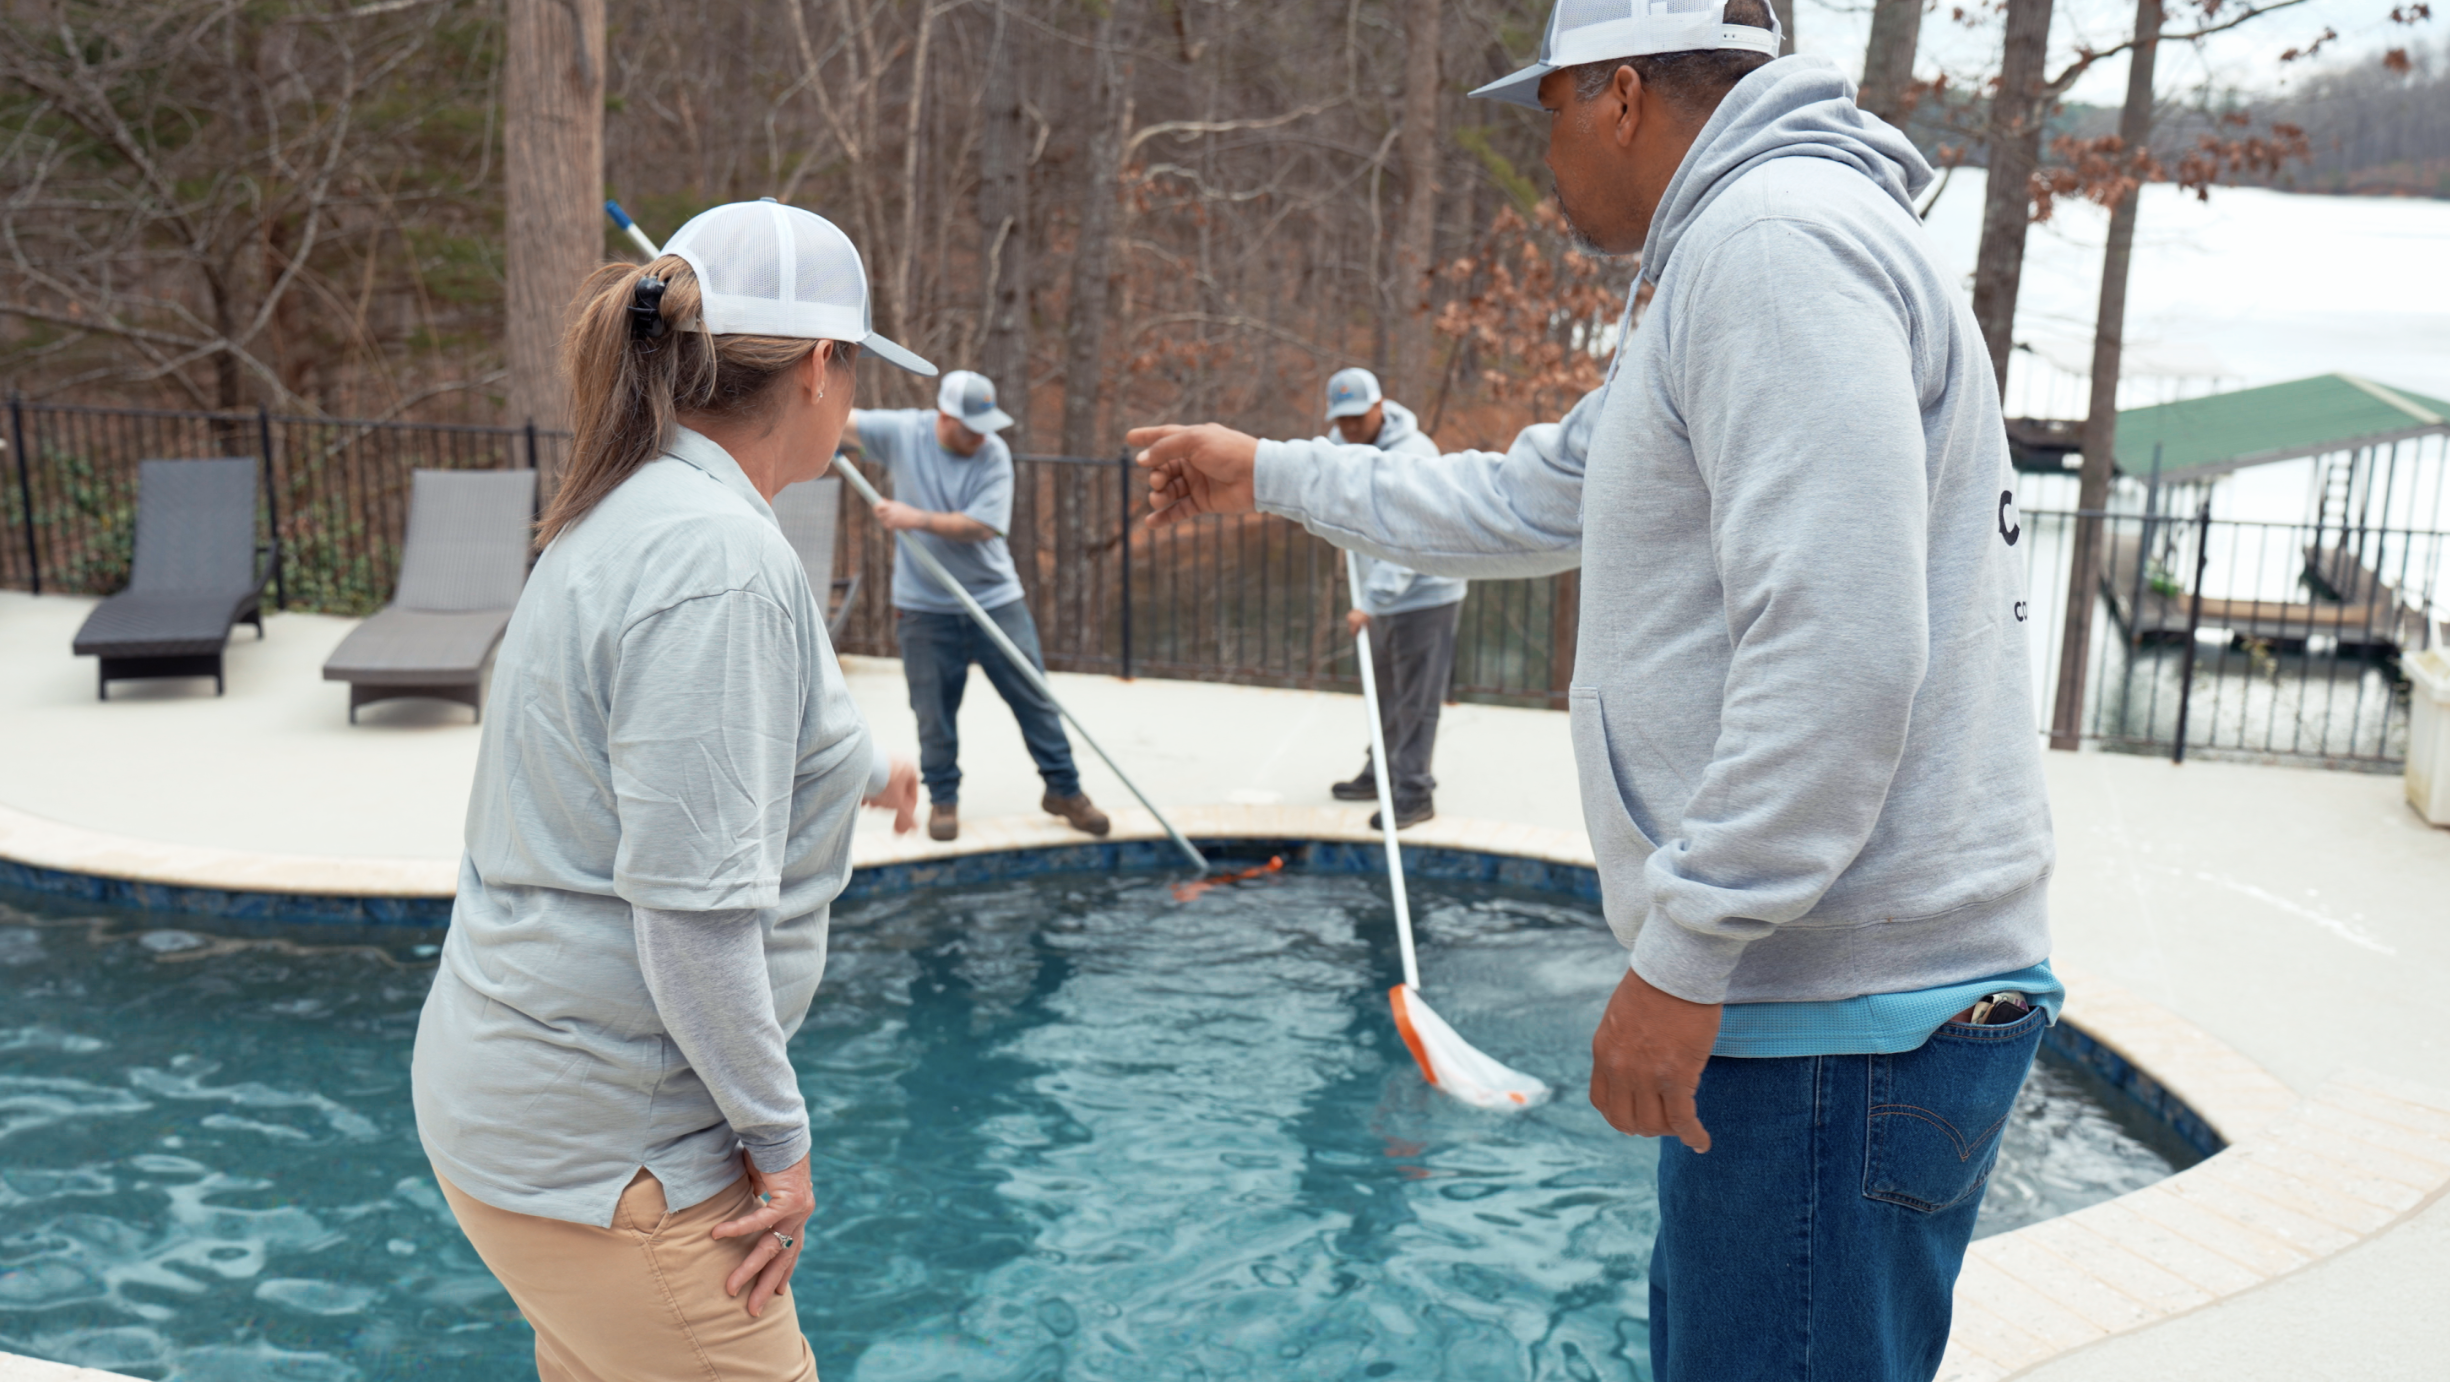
1067 1128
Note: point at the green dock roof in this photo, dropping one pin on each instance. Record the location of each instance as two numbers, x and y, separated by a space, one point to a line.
2212 435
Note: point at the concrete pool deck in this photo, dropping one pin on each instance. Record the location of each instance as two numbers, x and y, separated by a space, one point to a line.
2267 940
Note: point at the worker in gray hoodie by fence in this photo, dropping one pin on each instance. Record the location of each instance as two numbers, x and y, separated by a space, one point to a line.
1411 616
1801 707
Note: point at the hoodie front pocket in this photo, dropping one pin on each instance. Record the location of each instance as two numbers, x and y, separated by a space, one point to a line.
1617 835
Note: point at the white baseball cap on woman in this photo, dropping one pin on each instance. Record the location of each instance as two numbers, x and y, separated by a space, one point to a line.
766 269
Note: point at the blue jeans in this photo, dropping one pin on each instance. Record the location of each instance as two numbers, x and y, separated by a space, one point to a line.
937 650
1819 1239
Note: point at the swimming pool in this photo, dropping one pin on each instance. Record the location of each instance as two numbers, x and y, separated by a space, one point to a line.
1068 1127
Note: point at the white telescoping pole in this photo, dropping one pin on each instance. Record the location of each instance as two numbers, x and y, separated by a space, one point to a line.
927 562
1386 791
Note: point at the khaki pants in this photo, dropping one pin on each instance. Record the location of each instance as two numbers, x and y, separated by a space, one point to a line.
641 1301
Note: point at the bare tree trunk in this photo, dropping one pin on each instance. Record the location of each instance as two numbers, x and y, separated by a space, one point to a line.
1785 10
1003 218
905 313
2017 115
2101 418
1888 60
1416 233
553 189
1093 254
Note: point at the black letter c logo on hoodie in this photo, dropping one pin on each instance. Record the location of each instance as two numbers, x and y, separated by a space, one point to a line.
2007 511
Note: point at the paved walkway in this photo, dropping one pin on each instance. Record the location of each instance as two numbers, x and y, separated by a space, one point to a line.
2301 916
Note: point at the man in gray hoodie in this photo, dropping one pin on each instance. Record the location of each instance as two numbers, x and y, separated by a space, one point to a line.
1801 707
1411 616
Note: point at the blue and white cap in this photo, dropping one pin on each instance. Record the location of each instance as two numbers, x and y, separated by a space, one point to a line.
968 397
1581 31
1352 392
766 269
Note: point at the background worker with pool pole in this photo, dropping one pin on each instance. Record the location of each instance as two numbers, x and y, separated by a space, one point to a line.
952 488
1802 701
1411 617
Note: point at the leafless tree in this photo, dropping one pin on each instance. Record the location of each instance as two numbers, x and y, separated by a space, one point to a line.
553 189
217 203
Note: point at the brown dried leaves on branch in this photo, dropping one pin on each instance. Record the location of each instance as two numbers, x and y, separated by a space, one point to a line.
1527 313
2105 172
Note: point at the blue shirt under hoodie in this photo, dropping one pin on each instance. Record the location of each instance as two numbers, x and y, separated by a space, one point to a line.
1802 706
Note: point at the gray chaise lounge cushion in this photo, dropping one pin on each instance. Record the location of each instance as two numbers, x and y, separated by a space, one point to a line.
808 513
196 571
465 563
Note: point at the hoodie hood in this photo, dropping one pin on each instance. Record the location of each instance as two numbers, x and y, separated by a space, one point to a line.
1395 425
1795 107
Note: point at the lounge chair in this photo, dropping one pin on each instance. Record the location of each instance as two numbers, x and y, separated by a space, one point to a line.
808 513
198 572
465 563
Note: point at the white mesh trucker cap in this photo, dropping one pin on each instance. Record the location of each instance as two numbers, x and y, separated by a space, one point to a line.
1581 31
969 398
1352 392
766 269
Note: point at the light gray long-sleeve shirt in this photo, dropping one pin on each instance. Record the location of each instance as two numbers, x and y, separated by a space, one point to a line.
667 731
1801 707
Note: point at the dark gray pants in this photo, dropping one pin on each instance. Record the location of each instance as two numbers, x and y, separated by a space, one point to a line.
1415 657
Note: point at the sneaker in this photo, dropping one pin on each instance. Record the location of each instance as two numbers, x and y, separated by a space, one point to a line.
1362 788
1076 809
1406 817
943 820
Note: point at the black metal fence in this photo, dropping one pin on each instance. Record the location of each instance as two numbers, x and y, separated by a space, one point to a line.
335 504
1253 600
2266 640
2275 640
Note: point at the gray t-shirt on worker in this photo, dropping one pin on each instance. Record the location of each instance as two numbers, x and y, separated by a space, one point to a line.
667 731
927 476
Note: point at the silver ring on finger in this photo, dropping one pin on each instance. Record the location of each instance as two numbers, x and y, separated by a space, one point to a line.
782 1238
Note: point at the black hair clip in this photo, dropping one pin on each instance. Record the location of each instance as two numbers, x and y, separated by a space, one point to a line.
647 312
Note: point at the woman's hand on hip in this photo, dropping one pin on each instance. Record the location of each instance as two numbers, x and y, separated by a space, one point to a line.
777 1225
901 796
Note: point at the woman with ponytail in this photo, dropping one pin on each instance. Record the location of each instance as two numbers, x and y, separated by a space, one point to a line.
660 820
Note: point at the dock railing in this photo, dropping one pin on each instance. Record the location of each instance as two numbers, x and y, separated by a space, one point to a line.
2262 640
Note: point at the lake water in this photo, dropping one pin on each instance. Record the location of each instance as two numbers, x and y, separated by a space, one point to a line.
1067 1127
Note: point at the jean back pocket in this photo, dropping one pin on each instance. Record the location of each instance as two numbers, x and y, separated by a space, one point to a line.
1937 1112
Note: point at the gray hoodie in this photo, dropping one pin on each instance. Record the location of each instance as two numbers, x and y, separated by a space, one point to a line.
1801 703
1385 587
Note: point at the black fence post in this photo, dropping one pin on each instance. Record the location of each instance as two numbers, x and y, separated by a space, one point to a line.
272 509
531 443
1122 463
25 485
2194 621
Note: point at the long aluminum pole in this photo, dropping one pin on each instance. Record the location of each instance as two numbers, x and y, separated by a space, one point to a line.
1386 789
928 563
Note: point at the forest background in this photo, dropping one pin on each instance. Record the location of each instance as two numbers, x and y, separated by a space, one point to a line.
1145 208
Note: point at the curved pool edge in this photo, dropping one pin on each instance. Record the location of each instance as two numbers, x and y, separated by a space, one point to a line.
2286 1182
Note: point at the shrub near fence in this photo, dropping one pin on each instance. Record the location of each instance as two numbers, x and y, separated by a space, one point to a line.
336 492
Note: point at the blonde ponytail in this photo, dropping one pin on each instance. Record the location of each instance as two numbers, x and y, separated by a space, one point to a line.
627 389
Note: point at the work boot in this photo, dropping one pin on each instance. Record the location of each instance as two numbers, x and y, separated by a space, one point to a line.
1362 788
1406 817
943 820
1078 810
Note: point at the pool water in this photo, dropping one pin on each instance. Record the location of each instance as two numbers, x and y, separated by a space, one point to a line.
1067 1127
